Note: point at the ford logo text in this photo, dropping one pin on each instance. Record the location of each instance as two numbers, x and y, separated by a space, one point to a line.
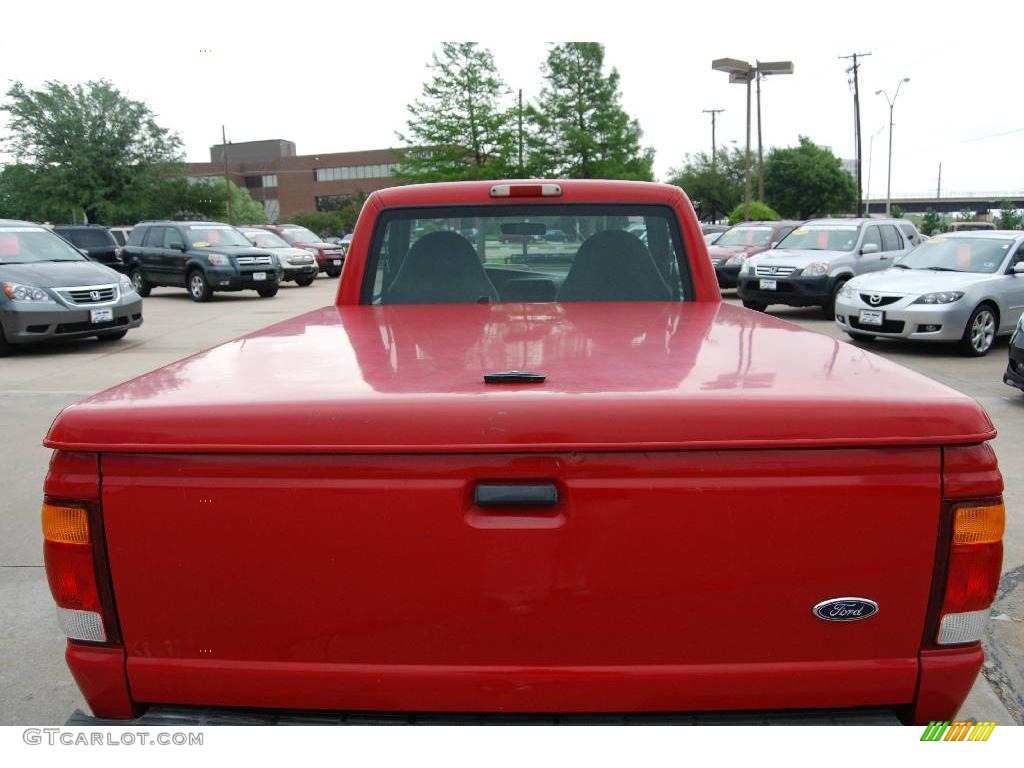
846 609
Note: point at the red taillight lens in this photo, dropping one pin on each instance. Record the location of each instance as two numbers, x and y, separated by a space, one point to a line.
72 577
973 577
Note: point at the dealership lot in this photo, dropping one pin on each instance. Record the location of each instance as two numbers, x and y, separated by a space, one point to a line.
35 686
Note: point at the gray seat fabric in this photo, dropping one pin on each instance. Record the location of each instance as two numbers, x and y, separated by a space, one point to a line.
614 266
441 268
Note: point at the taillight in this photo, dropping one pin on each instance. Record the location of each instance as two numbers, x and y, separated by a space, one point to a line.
526 190
972 574
68 551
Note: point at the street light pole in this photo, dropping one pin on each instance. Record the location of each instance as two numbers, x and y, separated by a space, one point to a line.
760 154
892 103
867 189
743 72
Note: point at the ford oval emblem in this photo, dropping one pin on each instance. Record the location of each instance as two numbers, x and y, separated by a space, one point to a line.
846 609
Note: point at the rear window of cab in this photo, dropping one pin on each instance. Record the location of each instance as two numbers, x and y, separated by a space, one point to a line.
527 253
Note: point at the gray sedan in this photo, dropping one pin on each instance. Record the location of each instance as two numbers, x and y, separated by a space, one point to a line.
963 287
49 290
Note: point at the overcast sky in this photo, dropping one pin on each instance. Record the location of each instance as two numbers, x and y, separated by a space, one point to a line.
334 77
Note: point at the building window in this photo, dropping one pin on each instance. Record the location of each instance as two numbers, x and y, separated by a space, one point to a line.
270 180
253 182
349 172
273 209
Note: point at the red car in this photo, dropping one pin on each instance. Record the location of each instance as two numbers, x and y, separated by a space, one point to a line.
548 487
739 243
330 257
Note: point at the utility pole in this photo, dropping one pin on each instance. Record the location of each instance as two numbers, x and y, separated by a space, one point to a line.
227 178
760 154
854 69
746 184
938 186
714 147
520 132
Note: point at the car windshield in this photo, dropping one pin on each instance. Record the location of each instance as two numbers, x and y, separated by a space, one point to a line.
527 253
958 254
300 235
89 238
821 237
263 238
215 236
28 244
755 236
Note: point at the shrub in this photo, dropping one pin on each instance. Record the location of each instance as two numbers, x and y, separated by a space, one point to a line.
758 212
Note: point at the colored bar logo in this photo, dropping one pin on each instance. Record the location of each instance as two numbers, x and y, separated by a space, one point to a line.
961 730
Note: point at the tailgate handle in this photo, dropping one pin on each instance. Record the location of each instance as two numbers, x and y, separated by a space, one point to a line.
515 495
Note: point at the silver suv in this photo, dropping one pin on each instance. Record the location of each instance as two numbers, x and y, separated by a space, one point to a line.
810 265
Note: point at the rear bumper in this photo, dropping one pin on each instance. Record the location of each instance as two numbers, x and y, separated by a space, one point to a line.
177 717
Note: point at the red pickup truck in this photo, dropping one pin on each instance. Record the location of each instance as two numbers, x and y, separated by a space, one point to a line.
575 483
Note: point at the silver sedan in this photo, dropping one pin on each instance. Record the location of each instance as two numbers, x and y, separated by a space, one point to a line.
965 287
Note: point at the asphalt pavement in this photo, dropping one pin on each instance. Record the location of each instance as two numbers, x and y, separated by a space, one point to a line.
35 384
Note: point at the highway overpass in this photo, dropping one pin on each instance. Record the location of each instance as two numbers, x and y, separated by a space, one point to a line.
981 202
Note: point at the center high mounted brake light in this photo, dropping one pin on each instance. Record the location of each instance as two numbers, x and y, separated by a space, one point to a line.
526 190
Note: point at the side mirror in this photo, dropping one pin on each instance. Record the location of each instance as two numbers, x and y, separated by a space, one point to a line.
869 248
1018 268
775 244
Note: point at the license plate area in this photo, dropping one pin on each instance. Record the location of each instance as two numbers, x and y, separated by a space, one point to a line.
872 317
769 285
103 315
337 262
259 275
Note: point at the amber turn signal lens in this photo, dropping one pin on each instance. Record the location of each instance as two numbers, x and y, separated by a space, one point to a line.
977 524
66 525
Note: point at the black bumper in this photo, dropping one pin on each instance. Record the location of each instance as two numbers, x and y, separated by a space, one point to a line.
795 291
244 281
1014 375
180 717
727 276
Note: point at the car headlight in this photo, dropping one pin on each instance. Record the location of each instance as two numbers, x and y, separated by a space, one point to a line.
940 297
218 259
26 293
736 260
817 268
311 250
847 291
125 285
746 267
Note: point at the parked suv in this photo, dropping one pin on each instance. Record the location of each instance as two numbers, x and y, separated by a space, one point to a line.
811 264
330 257
298 263
202 256
94 241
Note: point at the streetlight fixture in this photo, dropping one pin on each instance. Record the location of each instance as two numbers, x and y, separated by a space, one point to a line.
892 103
740 71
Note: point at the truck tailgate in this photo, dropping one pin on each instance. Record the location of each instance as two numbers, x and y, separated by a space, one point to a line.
659 581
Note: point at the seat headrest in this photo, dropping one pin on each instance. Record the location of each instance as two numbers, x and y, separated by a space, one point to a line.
441 268
614 266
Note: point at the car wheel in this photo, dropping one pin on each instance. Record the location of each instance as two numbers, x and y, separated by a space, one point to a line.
266 293
5 347
112 335
304 281
757 306
980 333
829 309
333 271
198 287
141 285
861 336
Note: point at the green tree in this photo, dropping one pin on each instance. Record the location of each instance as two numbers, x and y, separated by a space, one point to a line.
931 223
458 128
967 215
715 188
896 212
1009 217
85 145
244 210
806 181
578 126
324 223
757 212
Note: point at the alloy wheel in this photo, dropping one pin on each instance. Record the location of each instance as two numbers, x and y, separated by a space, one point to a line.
983 330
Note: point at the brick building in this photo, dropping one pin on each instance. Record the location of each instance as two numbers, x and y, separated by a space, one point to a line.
287 183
